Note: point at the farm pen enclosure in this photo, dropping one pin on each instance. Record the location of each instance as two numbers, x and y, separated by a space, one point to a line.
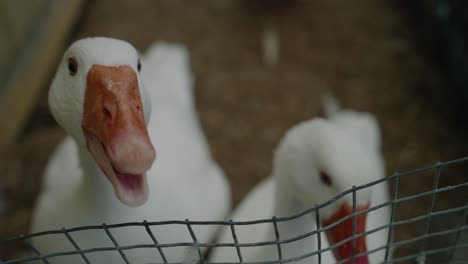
369 54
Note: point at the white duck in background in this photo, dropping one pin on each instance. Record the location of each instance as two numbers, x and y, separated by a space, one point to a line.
98 175
317 160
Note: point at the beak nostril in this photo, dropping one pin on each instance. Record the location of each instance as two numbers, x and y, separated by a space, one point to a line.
107 115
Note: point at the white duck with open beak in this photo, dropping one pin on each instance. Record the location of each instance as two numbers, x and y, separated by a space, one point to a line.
103 172
316 160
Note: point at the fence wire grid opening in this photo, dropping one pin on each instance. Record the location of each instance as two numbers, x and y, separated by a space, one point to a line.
424 227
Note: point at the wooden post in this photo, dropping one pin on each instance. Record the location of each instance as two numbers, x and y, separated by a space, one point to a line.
33 63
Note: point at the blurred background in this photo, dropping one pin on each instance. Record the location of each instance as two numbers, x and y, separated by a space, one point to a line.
404 61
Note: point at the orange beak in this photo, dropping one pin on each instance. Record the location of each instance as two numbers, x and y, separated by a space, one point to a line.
345 230
115 131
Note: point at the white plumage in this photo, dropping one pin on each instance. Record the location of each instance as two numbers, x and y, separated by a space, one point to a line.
184 182
345 147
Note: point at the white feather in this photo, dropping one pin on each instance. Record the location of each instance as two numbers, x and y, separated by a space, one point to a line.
270 46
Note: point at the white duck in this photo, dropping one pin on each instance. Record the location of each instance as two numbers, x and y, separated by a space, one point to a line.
103 173
317 160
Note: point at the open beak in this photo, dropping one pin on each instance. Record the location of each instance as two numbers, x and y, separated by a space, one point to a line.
345 230
115 131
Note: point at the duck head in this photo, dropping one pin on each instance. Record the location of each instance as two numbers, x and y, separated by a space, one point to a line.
321 161
98 98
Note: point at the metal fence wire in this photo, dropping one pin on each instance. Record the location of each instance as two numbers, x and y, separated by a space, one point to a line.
423 227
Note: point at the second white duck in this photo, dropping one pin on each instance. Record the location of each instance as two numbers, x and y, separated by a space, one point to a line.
317 160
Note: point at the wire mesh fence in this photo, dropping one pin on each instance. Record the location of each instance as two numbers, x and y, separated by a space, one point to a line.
424 227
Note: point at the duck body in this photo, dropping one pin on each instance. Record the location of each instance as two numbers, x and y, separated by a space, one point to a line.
184 182
262 196
346 141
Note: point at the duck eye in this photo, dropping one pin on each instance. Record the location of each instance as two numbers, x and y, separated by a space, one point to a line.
139 66
325 179
72 66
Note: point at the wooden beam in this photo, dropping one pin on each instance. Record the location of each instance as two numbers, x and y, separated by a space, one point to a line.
34 65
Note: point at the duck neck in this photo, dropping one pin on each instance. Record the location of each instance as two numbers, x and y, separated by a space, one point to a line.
286 202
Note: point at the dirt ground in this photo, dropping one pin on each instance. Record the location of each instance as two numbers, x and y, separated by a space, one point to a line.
363 51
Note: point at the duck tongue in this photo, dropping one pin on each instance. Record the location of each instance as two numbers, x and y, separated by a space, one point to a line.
129 181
